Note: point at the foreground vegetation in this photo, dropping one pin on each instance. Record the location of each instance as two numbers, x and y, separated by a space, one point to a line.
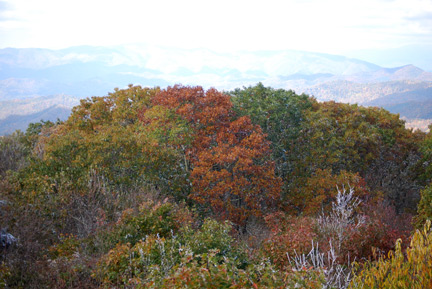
182 187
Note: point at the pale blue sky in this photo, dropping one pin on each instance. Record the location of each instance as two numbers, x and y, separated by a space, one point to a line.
331 26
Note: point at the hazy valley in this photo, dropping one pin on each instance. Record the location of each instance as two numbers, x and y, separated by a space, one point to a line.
47 83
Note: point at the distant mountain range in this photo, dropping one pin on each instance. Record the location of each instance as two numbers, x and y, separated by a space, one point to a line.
18 113
42 83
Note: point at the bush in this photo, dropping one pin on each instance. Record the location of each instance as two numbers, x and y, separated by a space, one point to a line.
14 152
212 235
153 258
424 208
378 234
151 218
359 232
289 235
211 273
144 262
409 269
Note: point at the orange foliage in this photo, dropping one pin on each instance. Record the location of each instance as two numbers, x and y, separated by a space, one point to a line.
231 170
320 190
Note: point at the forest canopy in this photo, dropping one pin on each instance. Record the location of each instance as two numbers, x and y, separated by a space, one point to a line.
182 186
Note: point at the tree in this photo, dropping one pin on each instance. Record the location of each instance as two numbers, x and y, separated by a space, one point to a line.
368 141
14 152
231 170
316 194
101 158
424 208
307 136
280 114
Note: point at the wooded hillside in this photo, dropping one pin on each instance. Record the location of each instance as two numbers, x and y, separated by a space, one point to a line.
184 187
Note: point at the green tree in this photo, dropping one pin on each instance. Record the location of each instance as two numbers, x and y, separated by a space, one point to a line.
368 141
424 208
280 114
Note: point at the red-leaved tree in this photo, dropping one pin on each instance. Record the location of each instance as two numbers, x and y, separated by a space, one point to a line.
231 169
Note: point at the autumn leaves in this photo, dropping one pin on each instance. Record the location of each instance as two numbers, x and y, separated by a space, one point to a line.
229 157
234 155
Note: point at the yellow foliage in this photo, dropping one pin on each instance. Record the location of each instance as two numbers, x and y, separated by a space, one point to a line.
410 270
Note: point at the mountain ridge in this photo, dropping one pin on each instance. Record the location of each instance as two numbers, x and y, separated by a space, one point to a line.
85 71
15 122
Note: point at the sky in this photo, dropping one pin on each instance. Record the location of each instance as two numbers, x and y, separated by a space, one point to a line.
332 26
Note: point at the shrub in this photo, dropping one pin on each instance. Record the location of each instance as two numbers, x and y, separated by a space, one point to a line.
378 234
212 273
289 235
409 269
424 208
205 271
151 218
153 258
4 274
212 235
359 232
331 273
148 260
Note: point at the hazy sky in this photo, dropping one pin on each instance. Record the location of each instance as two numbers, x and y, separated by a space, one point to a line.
330 26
